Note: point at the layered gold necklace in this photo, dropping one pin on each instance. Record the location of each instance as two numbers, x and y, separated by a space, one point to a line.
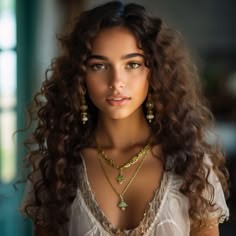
120 178
122 204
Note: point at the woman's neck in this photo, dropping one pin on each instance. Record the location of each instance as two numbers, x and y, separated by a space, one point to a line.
121 133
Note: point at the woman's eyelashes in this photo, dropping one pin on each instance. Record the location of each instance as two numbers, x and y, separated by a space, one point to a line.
104 66
98 66
133 65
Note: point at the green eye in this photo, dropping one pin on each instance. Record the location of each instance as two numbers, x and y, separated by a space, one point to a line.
98 67
133 65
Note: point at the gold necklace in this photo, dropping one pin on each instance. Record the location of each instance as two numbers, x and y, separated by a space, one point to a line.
120 178
122 204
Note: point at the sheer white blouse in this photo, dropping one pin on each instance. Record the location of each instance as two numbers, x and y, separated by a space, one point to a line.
167 213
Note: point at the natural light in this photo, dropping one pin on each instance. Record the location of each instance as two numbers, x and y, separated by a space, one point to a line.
7 90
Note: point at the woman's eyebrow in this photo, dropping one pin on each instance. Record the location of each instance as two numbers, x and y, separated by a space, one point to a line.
130 55
95 56
104 58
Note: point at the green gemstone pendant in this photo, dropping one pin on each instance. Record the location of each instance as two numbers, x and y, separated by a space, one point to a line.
120 178
122 205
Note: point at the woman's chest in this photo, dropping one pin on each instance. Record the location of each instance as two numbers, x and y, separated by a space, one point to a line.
124 204
166 214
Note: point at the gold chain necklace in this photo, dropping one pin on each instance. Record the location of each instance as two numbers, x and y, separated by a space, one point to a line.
122 204
120 178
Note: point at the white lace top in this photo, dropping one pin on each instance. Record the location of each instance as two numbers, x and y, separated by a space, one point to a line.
166 214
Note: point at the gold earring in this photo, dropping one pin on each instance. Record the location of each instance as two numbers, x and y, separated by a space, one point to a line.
149 105
83 108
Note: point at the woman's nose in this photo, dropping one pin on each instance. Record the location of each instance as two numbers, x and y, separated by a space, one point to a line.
117 79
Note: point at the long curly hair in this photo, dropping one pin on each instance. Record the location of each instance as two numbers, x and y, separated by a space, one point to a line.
181 123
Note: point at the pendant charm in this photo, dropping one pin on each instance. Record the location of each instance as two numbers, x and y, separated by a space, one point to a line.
122 205
120 178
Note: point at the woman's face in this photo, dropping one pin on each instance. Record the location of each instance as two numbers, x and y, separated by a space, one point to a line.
116 75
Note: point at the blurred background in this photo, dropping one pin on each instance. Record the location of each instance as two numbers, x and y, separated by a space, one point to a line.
28 30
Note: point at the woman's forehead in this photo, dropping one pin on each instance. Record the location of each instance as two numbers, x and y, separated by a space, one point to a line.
115 39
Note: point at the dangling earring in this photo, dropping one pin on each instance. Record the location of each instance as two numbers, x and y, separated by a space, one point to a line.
83 108
149 106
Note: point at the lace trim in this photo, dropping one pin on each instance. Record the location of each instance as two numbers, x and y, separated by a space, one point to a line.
150 213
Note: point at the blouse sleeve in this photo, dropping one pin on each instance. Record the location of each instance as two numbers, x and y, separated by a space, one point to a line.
220 209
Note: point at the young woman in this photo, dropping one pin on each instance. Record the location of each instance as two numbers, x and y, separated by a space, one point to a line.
120 144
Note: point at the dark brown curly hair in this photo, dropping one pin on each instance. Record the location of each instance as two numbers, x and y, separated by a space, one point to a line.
181 123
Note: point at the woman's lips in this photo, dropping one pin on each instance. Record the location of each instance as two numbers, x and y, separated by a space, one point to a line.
118 100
